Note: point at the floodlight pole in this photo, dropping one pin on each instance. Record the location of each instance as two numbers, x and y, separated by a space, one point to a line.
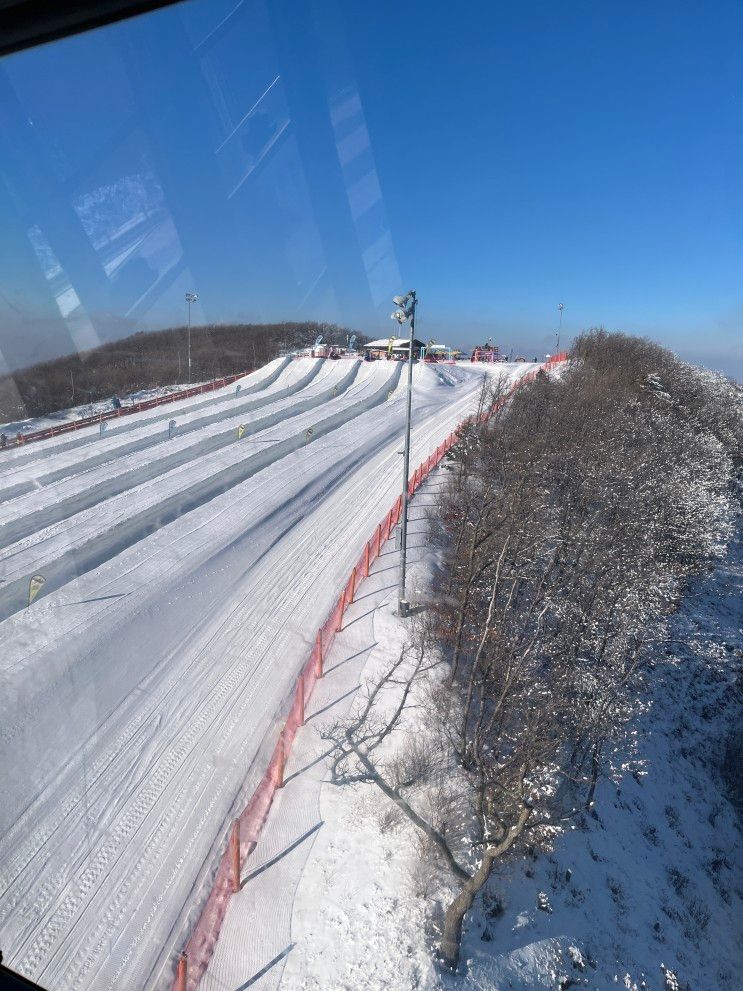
191 297
560 307
188 298
402 603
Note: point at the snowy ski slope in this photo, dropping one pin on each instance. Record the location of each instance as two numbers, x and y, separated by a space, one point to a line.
185 578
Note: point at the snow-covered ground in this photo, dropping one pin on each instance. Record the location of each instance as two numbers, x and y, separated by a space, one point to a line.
327 900
644 893
185 580
84 410
258 380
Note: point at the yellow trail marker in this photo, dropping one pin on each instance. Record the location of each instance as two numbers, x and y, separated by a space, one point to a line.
35 586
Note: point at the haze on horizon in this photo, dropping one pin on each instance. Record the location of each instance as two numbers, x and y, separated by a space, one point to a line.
292 160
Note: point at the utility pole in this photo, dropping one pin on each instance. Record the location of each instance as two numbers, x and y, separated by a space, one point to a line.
406 311
191 297
560 307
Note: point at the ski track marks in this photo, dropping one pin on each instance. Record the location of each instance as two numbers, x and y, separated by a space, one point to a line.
140 697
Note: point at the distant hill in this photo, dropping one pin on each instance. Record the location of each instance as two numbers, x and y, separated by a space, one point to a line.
151 359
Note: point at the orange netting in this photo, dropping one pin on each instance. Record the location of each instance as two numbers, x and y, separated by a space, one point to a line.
247 827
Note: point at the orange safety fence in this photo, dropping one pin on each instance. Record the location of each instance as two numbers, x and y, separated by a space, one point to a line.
86 421
246 828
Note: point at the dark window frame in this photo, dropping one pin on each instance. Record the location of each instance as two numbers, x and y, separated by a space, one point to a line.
26 23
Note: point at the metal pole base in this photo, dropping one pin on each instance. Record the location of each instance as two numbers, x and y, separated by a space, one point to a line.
403 608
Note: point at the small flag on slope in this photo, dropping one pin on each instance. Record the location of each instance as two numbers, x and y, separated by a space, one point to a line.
35 586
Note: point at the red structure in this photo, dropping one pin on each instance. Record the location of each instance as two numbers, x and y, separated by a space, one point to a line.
488 352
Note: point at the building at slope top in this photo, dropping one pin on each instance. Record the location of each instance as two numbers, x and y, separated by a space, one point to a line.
392 347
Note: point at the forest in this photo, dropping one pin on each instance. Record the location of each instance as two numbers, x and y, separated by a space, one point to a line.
567 529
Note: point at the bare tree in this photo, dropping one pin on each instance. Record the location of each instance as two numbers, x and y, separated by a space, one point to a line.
572 519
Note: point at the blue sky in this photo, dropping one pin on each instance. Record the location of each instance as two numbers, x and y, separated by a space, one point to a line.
302 159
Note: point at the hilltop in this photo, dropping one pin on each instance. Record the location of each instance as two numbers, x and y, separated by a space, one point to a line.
147 360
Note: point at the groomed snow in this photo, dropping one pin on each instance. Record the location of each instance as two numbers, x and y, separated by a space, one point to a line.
140 692
260 377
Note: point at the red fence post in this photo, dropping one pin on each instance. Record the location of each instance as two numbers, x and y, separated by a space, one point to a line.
300 700
182 973
318 659
281 761
352 587
366 559
341 611
235 855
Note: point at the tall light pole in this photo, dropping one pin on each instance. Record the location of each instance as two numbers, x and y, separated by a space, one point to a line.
406 311
560 307
191 297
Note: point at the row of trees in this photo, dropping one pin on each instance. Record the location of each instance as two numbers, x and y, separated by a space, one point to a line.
567 529
148 360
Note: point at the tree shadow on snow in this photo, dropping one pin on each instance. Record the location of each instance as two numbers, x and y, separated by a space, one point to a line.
280 856
272 963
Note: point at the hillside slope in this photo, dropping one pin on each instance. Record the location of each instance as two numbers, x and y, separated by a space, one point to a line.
644 893
152 359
